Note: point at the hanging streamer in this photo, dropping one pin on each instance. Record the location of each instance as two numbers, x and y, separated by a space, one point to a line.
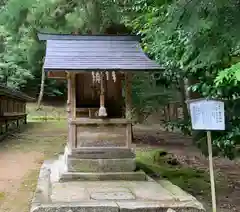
114 76
107 75
102 110
93 77
96 76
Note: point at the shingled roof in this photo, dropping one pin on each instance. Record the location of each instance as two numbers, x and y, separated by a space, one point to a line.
99 52
6 91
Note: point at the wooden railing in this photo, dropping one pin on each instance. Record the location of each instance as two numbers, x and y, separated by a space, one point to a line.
10 122
88 132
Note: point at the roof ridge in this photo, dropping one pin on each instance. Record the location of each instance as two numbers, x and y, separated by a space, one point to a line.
102 37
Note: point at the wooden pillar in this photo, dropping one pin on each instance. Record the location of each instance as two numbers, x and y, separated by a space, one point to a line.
1 107
18 107
1 129
71 109
25 112
69 116
102 110
25 120
11 105
15 106
6 125
73 95
128 107
74 109
24 107
7 105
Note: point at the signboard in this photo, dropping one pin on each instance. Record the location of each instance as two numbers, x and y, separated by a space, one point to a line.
207 114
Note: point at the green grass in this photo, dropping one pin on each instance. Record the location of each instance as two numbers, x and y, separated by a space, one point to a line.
191 180
48 138
2 196
30 181
45 118
46 113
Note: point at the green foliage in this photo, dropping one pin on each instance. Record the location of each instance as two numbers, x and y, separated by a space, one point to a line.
195 39
21 52
182 125
192 39
148 96
13 68
229 76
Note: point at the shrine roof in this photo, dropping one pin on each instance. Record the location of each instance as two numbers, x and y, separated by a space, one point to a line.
95 52
6 91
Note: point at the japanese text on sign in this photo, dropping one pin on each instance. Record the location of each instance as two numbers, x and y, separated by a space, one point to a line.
207 115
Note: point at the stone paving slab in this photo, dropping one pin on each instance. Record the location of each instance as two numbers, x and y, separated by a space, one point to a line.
110 196
176 191
142 190
76 195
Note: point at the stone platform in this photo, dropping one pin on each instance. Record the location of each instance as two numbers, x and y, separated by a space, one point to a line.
109 195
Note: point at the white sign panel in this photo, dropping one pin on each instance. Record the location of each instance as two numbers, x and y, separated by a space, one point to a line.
207 115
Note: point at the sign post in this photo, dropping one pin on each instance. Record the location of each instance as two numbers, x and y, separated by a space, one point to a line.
208 115
213 191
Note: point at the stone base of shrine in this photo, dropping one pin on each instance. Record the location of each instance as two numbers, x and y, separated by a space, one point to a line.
64 170
96 164
147 195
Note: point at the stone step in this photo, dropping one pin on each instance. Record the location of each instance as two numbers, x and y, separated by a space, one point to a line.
102 176
101 165
102 153
111 206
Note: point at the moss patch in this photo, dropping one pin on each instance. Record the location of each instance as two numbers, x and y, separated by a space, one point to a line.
156 164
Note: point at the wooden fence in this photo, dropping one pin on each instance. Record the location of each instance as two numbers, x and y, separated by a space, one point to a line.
12 109
172 112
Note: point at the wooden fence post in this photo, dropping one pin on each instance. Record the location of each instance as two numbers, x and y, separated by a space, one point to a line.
59 118
6 125
25 119
45 116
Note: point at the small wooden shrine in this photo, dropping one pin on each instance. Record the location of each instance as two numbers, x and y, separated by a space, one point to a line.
98 70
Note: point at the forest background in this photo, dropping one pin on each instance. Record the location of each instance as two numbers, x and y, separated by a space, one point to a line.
196 41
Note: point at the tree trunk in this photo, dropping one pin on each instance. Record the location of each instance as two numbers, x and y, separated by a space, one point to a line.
41 90
194 95
183 91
